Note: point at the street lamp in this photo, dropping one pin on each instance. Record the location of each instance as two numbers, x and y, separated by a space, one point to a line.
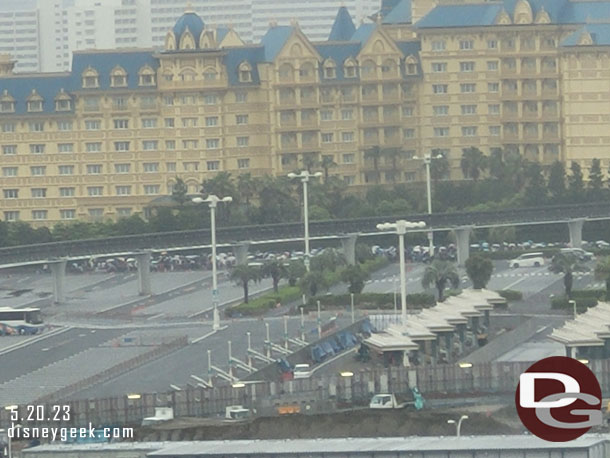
428 157
305 176
212 201
458 424
401 227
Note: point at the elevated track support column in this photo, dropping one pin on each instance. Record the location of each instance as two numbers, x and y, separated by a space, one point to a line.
462 236
575 227
241 253
144 284
58 269
348 244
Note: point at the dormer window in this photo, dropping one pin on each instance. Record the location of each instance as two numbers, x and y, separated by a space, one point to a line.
411 66
7 107
350 70
245 73
330 71
34 102
147 76
118 77
63 105
90 79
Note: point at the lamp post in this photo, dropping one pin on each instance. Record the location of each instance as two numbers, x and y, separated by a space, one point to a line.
305 176
458 424
212 201
7 450
427 161
400 227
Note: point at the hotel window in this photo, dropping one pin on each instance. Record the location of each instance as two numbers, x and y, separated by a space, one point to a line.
96 212
438 45
212 143
441 131
35 105
494 109
94 169
9 127
67 214
241 119
213 165
39 214
467 67
241 97
326 115
243 163
350 71
494 131
189 122
118 79
169 122
149 123
38 170
347 137
211 121
492 44
63 105
327 138
11 193
36 126
349 179
148 101
90 79
171 166
7 107
468 87
466 44
150 145
11 216
191 166
407 112
65 147
347 114
439 88
121 146
188 99
123 212
91 103
123 190
9 149
168 100
64 125
190 144
121 123
66 170
151 189
93 124
469 109
493 87
67 192
94 147
151 167
349 158
37 149
122 168
243 141
170 145
492 65
147 78
39 193
9 171
439 67
469 131
209 99
440 110
119 103
95 191
408 133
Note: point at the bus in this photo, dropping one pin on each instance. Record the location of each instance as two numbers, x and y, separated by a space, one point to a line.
20 321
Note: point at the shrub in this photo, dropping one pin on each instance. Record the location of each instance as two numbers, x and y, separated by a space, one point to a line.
262 304
511 294
582 304
588 293
371 301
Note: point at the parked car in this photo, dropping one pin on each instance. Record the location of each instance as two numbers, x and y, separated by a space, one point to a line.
389 401
578 253
528 260
301 371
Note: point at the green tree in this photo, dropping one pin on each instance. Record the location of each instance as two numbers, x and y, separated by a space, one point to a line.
566 264
246 188
131 225
535 188
575 183
180 191
310 161
374 153
163 220
473 162
276 270
220 185
502 234
440 273
596 181
363 253
277 204
514 170
602 272
557 181
295 271
328 260
479 270
356 277
312 282
440 168
243 274
327 163
496 165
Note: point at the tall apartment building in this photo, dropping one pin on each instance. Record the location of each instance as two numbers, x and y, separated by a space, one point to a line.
107 138
19 33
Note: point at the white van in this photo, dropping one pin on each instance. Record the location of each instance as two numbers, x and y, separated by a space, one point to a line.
302 371
528 260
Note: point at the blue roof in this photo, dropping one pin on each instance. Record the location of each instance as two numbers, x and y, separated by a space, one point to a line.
274 40
409 48
47 87
343 27
193 22
221 33
484 14
105 62
338 52
363 33
600 34
235 56
400 14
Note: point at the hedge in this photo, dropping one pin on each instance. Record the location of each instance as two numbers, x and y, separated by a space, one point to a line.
589 293
369 301
511 294
582 304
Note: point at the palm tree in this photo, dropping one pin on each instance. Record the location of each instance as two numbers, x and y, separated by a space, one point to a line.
310 161
356 277
479 270
243 274
326 163
602 272
393 154
276 270
374 153
473 162
439 273
246 187
566 264
312 282
180 191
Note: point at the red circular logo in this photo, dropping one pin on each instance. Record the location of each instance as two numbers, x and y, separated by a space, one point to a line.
559 399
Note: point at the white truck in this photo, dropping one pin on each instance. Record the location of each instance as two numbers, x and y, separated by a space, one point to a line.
236 412
388 401
161 414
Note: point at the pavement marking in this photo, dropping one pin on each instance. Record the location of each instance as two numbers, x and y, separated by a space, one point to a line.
205 336
513 284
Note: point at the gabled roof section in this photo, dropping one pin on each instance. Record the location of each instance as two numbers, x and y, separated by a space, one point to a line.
585 12
343 27
274 40
363 33
400 14
47 86
221 32
338 52
460 16
409 48
599 34
235 56
104 62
